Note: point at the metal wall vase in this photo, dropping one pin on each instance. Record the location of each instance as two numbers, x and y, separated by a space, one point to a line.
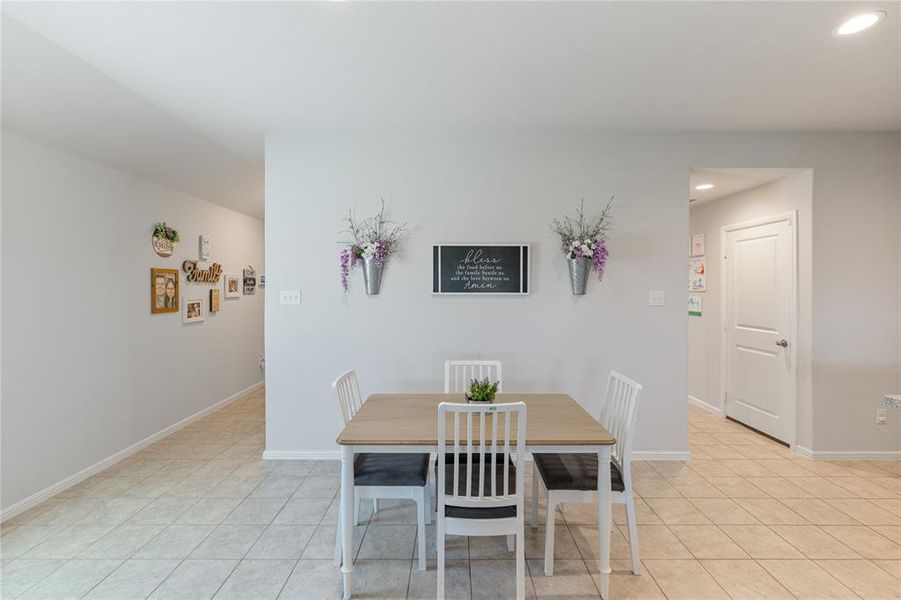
372 275
578 275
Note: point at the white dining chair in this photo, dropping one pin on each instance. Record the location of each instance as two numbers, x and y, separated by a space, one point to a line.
458 374
573 478
480 488
384 475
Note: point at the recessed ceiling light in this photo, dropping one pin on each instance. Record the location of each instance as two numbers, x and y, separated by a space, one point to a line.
704 186
858 23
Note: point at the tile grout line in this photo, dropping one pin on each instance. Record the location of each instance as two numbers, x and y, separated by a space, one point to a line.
187 556
687 549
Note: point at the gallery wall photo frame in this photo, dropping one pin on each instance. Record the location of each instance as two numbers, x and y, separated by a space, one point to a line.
164 291
231 286
695 305
250 281
192 311
204 249
697 274
697 244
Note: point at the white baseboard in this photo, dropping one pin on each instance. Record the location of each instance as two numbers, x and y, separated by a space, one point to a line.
847 454
52 490
336 455
301 454
708 407
805 452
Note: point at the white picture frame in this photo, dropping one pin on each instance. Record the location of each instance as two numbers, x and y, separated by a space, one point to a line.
192 311
697 244
697 274
233 289
695 305
204 251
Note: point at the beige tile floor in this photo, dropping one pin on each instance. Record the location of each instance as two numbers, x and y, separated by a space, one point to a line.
199 515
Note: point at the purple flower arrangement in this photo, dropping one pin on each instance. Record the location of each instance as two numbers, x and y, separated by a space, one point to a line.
584 237
373 239
596 250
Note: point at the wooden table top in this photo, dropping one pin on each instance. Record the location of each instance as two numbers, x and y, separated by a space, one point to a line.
412 420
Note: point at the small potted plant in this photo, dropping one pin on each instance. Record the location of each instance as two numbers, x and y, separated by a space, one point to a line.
482 390
371 242
584 242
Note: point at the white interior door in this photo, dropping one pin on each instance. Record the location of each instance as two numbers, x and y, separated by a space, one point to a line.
758 319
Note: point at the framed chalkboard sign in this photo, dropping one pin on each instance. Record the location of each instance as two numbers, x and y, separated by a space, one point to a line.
480 269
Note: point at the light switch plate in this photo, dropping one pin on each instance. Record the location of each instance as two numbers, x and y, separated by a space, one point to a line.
289 297
657 298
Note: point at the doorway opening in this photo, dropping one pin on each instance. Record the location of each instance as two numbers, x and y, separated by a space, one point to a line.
749 288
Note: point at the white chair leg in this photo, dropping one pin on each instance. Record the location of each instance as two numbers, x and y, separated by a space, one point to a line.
510 546
633 534
357 511
375 506
427 495
337 560
439 535
549 535
520 564
420 522
535 477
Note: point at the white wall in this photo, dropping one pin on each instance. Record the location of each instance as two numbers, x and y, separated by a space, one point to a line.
788 194
491 187
87 370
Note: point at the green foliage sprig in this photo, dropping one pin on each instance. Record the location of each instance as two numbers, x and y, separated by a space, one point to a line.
164 231
375 233
582 227
482 390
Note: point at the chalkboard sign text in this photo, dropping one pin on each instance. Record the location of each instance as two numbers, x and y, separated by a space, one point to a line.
480 269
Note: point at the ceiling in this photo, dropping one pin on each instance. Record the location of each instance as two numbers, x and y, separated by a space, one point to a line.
727 182
217 76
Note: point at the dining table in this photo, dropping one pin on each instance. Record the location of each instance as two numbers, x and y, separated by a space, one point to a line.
393 423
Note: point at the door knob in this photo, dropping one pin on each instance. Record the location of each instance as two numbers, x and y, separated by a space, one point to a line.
783 343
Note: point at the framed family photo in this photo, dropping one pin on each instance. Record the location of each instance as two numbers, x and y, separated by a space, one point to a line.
164 291
193 311
232 286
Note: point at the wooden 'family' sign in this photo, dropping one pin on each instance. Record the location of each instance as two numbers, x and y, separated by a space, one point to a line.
198 275
480 269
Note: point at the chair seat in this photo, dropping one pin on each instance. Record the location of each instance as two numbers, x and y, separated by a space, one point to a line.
400 469
467 512
575 472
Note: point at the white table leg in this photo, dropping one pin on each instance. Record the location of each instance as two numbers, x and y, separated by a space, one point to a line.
604 518
347 516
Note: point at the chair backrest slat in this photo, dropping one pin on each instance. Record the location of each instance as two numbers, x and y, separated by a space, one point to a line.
456 454
481 454
458 374
347 391
494 455
619 414
504 451
507 451
469 454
